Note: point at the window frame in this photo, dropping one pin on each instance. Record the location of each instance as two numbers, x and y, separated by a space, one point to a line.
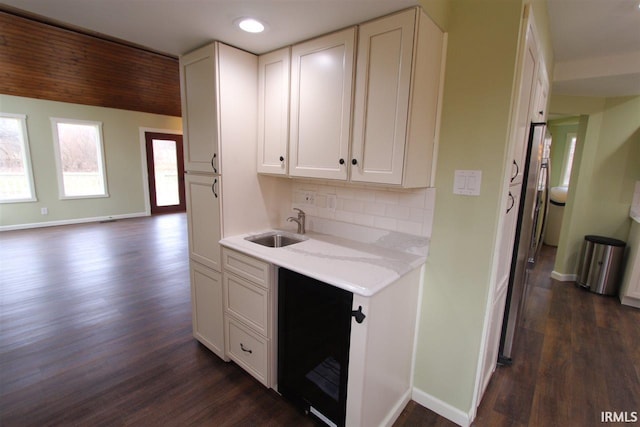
567 160
102 166
26 151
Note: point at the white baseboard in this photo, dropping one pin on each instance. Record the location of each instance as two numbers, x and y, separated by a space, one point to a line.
395 412
632 302
441 408
71 221
561 277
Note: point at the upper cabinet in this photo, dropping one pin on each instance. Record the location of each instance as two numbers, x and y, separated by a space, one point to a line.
199 109
273 111
368 118
396 98
321 90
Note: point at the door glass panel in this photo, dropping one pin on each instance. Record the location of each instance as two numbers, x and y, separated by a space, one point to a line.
166 172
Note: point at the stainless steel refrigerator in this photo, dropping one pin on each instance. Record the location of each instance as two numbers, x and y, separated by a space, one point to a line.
532 212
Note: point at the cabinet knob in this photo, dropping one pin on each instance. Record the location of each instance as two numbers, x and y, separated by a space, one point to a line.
341 161
354 162
281 158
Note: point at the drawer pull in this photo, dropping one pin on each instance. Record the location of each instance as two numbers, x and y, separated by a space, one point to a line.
245 349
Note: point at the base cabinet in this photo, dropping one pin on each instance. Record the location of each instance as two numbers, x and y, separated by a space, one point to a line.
206 294
248 314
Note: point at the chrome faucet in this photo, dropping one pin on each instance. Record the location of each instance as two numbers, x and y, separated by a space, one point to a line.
299 220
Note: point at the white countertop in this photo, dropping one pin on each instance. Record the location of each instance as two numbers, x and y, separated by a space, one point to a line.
363 266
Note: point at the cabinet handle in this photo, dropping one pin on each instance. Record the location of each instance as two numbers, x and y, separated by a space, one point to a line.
354 162
282 158
341 161
213 187
513 202
358 314
517 171
212 165
246 350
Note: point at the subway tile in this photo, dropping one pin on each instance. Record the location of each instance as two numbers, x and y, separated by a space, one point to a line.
373 208
397 211
387 197
350 205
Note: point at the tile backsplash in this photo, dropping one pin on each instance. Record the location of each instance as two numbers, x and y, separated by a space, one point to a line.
406 211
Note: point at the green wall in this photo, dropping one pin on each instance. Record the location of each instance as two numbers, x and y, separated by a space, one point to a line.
606 167
122 147
480 67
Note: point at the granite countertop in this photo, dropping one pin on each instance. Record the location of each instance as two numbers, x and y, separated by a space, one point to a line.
364 262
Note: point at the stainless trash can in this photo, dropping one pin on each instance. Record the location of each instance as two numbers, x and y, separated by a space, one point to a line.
600 264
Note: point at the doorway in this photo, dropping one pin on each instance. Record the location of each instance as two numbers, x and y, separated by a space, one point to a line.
165 166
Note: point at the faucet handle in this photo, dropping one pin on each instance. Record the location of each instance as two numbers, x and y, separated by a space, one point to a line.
300 211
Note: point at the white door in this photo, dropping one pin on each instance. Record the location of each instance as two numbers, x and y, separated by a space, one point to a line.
203 211
207 308
199 111
321 92
273 111
381 103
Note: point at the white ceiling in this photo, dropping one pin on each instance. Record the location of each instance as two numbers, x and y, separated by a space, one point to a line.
596 42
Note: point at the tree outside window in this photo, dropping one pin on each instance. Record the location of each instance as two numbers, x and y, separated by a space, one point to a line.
79 158
16 175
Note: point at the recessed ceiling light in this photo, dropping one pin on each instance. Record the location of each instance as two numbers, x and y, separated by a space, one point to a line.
251 25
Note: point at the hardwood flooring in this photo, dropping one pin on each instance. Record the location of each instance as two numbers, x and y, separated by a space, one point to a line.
95 329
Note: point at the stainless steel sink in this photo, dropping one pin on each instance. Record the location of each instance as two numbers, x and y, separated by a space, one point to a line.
276 239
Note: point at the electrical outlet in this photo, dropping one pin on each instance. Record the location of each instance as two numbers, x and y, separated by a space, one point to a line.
44 211
310 197
304 197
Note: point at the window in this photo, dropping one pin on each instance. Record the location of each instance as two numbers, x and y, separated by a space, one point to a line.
79 158
568 159
16 175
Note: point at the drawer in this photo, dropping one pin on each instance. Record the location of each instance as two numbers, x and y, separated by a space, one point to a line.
259 272
247 302
247 349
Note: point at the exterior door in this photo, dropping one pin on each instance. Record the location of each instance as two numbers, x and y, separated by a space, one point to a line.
165 165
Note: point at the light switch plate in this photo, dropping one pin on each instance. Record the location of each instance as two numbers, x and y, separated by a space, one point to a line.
467 182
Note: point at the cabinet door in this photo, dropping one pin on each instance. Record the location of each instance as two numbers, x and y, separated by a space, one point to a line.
203 214
321 93
526 100
199 109
273 111
207 308
381 103
542 93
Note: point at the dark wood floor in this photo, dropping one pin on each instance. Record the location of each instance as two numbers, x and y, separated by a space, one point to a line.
95 329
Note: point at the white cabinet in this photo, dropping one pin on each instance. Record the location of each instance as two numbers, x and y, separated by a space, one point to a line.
371 120
273 111
380 353
396 98
208 326
219 88
321 91
525 105
249 307
199 109
203 219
